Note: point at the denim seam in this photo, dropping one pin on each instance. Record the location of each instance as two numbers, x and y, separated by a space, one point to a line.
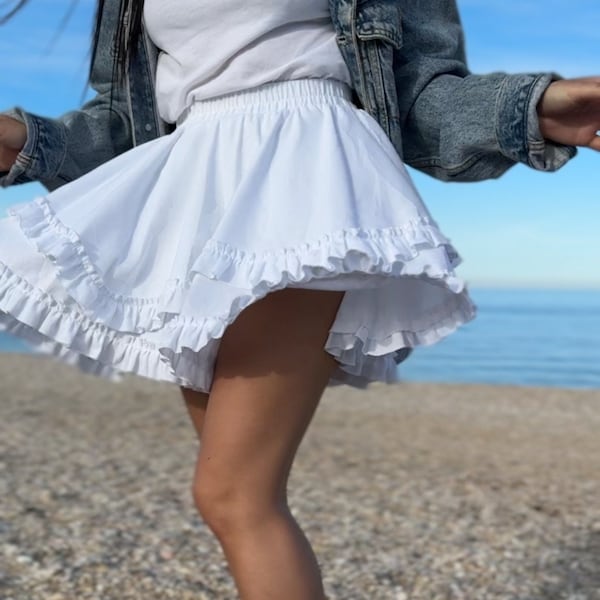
502 92
24 160
525 123
63 142
454 169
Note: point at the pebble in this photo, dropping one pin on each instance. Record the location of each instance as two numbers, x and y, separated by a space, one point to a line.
407 492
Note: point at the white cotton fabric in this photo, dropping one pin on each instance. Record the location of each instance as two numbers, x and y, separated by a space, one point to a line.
210 49
140 265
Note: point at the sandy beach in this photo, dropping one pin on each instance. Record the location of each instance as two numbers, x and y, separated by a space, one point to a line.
407 492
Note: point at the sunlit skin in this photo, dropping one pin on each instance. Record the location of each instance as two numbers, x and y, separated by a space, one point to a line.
267 384
13 136
569 112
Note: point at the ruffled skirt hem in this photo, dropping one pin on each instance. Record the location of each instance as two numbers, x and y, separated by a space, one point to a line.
151 338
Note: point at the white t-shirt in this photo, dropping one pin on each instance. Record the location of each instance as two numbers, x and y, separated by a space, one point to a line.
210 48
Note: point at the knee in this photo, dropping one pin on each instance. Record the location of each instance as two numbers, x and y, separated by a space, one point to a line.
229 507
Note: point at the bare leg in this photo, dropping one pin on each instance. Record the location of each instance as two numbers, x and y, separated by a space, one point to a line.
196 403
269 377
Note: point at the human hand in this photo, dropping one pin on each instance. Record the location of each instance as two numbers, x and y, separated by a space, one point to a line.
569 112
13 135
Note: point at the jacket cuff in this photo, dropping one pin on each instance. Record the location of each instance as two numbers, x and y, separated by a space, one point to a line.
518 126
44 152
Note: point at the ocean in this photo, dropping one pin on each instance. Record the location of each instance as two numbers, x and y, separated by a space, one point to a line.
520 337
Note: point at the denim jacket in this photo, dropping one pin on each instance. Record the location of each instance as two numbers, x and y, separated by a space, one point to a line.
408 66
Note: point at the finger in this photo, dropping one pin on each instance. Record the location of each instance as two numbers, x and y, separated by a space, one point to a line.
595 143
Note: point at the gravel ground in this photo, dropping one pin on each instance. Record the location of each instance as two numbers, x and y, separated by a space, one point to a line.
407 492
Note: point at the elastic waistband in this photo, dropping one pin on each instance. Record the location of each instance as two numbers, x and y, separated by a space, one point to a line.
272 95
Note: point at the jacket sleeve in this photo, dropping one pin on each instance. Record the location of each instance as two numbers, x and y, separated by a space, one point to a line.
458 125
61 149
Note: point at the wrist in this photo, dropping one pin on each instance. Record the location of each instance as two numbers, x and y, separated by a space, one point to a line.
543 121
44 151
542 153
13 136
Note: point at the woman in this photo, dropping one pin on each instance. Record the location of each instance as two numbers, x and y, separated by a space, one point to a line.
243 224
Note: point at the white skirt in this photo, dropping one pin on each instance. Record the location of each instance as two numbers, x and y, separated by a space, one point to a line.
140 265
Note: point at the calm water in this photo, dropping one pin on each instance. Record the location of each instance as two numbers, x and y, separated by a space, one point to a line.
533 337
524 337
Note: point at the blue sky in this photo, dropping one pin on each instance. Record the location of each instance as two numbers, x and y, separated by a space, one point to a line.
526 229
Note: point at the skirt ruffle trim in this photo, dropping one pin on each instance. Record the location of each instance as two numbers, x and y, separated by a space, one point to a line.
104 337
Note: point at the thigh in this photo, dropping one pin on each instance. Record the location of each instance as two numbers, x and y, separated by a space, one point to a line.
269 375
196 403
